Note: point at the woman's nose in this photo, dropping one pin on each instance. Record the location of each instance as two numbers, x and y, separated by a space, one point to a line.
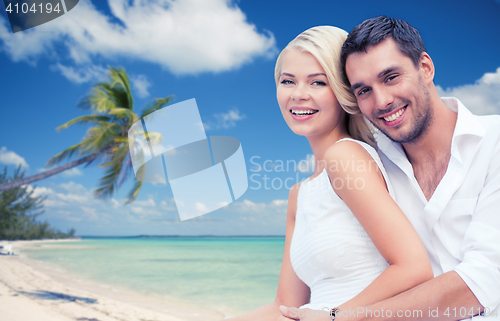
300 93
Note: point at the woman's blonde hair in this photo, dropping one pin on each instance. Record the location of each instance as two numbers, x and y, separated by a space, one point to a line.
325 43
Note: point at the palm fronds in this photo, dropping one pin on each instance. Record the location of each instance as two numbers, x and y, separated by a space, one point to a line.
158 104
106 142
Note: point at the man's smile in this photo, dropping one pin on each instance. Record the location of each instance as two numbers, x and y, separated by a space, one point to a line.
395 117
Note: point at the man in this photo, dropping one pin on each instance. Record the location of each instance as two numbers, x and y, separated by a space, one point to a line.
444 164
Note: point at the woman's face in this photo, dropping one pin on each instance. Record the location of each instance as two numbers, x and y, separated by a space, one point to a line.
305 97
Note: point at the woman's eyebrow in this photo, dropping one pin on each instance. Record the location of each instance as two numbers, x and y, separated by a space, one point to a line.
315 75
309 76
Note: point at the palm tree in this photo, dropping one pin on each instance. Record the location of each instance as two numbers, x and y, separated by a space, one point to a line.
106 142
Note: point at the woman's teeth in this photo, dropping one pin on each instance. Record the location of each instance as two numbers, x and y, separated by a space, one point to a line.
304 112
395 116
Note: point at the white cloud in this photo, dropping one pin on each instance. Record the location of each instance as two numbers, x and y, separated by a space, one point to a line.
307 165
141 84
144 212
224 120
72 205
66 194
10 158
169 206
249 207
148 203
201 208
91 213
81 74
145 208
116 204
73 172
40 191
264 215
184 36
73 187
280 203
482 97
75 203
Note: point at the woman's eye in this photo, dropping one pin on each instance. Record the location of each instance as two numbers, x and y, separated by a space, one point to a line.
319 83
287 82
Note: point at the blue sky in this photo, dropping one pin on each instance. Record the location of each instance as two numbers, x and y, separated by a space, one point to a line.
222 53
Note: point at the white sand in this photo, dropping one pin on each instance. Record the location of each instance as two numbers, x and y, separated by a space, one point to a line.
29 291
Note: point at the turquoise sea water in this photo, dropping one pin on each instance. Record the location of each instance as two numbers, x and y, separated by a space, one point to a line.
235 274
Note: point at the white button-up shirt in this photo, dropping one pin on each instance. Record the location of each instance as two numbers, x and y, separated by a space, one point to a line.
460 224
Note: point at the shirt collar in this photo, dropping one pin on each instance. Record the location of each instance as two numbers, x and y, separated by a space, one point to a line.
466 125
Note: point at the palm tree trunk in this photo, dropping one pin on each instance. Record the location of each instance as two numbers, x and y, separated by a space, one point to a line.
51 172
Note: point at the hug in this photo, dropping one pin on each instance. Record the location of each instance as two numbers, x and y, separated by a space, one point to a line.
421 239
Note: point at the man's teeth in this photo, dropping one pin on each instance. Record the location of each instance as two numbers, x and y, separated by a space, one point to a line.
304 112
395 116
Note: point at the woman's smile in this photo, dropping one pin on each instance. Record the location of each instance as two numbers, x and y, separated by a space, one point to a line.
302 113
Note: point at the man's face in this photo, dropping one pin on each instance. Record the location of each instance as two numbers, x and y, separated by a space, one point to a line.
390 91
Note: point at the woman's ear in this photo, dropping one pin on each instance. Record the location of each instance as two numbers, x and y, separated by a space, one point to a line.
426 68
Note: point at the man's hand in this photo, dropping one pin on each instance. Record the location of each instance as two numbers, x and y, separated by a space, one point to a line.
293 313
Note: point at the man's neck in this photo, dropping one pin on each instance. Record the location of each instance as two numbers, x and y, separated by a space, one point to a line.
430 154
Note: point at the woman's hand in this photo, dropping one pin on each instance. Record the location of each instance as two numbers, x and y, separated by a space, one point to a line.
293 313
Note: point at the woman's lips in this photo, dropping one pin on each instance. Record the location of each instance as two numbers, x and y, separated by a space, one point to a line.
302 113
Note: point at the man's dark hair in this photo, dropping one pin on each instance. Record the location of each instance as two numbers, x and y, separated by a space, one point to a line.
373 31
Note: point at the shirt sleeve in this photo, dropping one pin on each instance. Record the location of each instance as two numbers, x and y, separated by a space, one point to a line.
480 267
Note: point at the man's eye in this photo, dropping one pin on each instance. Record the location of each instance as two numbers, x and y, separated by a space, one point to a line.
363 91
287 82
390 78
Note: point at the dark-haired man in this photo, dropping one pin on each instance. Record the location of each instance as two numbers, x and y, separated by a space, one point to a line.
444 164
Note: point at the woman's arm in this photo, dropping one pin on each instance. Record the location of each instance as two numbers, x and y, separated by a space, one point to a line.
383 221
291 290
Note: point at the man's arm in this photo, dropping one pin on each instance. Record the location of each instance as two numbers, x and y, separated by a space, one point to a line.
450 296
442 298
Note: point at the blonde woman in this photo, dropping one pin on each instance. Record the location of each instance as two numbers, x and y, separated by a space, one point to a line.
347 243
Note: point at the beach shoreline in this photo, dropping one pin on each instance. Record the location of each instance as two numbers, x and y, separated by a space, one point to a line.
30 289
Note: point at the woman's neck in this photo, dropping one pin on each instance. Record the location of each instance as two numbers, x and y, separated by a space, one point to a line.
319 145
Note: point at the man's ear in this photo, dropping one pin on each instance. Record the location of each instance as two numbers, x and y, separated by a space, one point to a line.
426 68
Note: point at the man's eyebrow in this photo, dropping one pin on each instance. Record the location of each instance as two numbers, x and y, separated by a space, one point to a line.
380 75
356 86
388 71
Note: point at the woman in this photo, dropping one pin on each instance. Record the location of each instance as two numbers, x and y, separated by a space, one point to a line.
347 243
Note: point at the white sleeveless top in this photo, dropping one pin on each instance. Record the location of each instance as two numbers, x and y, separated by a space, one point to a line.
330 251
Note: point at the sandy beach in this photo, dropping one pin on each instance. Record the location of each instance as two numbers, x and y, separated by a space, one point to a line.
31 291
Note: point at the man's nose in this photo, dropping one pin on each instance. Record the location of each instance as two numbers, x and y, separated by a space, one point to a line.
383 98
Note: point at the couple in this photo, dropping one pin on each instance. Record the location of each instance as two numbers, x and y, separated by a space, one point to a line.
350 251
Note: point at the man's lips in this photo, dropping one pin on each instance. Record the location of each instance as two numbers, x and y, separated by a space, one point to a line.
395 117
